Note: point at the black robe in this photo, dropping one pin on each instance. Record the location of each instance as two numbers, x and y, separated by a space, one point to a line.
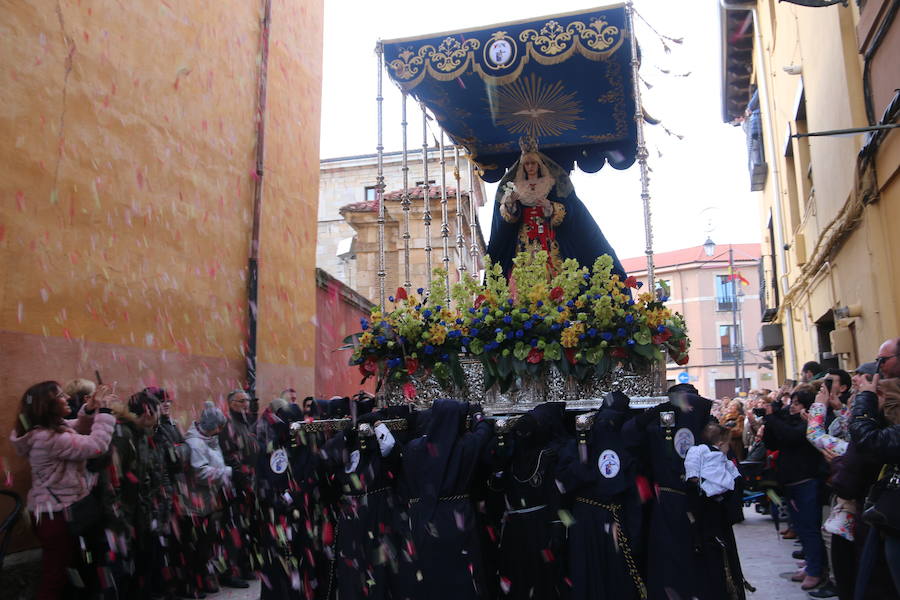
605 495
439 469
290 537
532 542
682 559
371 557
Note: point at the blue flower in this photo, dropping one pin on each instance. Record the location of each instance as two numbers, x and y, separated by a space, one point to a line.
498 330
476 322
420 291
363 324
631 303
523 310
418 307
587 277
540 303
485 310
426 313
581 336
559 309
620 332
630 342
429 349
661 329
492 345
555 327
473 331
507 319
606 336
380 339
465 341
592 332
570 303
509 335
394 362
509 301
383 324
629 319
664 299
520 333
437 308
527 324
391 298
445 357
455 333
567 323
472 311
533 343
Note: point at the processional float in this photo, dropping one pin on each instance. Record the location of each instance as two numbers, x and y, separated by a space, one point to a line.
528 334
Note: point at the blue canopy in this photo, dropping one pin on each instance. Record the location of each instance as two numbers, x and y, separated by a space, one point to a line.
566 80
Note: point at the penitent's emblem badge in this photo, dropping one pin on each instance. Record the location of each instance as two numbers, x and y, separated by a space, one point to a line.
279 461
609 463
684 440
500 51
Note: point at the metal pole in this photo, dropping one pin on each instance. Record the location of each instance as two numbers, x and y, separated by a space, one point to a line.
738 384
460 243
404 202
445 225
426 196
379 179
473 218
641 148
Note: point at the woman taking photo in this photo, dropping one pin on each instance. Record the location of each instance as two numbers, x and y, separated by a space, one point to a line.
58 450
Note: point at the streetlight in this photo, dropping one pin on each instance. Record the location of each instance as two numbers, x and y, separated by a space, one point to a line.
709 248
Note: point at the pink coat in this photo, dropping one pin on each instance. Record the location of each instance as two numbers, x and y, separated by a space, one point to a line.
58 474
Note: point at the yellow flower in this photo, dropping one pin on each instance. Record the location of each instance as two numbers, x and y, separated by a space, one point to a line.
438 334
569 337
365 339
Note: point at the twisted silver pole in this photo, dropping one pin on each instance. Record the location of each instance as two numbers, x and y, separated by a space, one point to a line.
404 201
460 242
426 196
473 218
445 225
641 148
379 179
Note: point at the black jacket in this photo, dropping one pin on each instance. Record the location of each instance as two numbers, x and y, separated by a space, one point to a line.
871 433
797 458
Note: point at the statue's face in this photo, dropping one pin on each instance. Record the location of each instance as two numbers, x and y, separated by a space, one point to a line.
531 167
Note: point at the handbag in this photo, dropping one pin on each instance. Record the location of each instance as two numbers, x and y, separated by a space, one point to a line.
82 515
882 508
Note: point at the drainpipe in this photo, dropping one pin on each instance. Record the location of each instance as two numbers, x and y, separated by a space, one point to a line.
253 261
788 320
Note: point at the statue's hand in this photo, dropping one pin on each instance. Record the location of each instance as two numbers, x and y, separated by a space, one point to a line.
548 208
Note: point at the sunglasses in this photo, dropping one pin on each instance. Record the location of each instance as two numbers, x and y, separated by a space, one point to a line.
880 360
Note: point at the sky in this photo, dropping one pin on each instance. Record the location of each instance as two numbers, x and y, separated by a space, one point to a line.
699 185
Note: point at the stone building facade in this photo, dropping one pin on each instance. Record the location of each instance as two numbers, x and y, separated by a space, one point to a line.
347 245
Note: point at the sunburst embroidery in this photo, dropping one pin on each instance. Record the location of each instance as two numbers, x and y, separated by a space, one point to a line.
529 106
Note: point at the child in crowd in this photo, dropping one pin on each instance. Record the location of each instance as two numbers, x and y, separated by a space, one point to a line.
707 464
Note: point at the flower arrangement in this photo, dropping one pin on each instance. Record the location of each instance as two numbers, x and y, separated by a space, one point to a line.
581 321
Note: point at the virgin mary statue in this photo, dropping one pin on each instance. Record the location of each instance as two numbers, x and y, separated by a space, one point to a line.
536 209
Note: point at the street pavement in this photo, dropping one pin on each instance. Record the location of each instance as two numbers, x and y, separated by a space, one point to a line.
764 555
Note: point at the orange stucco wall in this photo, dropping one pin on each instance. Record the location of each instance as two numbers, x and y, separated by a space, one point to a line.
128 135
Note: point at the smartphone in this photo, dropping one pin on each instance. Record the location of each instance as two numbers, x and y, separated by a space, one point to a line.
97 375
759 412
828 383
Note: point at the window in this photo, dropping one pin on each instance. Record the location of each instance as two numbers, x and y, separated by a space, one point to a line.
371 193
421 182
725 299
729 338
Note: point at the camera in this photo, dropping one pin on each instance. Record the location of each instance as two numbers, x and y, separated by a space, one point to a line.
828 383
759 412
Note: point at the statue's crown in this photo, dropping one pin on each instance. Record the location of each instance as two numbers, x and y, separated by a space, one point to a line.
528 143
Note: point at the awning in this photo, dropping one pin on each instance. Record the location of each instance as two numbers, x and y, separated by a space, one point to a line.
564 79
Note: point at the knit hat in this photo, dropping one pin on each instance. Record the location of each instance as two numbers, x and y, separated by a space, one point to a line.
211 417
277 404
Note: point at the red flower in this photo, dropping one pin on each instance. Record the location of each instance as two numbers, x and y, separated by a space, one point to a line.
619 353
683 360
412 365
409 391
570 355
631 282
401 294
556 294
369 367
479 300
535 356
661 338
